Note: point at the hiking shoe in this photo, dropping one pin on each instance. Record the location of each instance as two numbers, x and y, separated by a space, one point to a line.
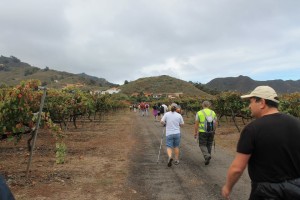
207 160
170 162
176 162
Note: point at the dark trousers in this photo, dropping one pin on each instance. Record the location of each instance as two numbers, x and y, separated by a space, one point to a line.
5 193
287 190
205 143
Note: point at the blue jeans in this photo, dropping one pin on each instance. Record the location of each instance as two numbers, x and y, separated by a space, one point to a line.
173 140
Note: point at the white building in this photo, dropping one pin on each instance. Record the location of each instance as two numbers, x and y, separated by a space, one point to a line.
111 91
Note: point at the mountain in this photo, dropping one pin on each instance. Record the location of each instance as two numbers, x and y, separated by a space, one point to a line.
245 84
13 71
162 85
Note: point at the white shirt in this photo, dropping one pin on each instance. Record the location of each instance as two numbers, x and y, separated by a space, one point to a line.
165 107
173 121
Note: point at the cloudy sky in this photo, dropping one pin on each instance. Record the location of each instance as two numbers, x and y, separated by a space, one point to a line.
193 40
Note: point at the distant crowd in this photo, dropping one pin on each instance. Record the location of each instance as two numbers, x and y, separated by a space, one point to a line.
158 109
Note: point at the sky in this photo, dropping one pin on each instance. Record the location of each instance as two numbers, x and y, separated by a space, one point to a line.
192 40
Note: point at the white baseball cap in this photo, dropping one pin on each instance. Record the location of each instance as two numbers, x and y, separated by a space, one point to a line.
264 92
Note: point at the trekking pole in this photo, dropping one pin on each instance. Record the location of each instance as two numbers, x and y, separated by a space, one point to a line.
215 145
162 136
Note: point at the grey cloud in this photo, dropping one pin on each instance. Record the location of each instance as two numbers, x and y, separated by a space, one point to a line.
124 40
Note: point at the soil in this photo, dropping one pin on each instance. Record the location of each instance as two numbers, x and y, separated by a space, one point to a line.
117 158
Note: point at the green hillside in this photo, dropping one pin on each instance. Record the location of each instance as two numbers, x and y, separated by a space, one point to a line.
13 71
162 84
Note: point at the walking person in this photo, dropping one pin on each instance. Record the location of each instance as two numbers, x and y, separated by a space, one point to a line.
163 109
134 107
142 108
269 145
158 111
147 109
173 121
205 136
155 112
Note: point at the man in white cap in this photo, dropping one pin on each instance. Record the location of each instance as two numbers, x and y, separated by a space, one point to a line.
270 147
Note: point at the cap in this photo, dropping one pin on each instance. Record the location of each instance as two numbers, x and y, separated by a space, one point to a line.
264 92
174 105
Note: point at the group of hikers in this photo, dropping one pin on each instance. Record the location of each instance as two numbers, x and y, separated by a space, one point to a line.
205 125
268 145
158 109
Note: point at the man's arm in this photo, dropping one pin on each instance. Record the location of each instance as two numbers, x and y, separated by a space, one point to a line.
163 120
235 171
181 122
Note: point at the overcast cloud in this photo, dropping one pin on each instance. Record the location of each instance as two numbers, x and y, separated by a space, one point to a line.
193 40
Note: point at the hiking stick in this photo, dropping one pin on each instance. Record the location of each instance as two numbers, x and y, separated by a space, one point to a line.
162 137
214 145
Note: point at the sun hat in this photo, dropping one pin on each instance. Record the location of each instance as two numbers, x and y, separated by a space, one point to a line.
264 92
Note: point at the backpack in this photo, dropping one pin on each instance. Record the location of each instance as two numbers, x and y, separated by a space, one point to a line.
142 106
209 122
161 109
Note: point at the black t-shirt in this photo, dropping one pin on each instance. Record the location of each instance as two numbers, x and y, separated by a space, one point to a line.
274 144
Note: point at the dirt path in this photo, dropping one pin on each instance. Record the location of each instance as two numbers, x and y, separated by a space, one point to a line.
116 159
191 179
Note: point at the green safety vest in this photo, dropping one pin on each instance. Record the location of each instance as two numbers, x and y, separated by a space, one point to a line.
201 118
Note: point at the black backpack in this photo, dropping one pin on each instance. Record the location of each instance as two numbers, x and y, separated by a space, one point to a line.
161 109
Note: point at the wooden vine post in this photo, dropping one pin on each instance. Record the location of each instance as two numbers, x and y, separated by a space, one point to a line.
36 130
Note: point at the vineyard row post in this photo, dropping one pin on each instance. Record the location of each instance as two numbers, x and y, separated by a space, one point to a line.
36 130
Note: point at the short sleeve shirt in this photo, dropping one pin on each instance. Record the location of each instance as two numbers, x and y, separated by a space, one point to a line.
173 121
273 142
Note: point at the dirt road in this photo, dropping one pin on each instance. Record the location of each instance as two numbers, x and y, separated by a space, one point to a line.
191 179
115 159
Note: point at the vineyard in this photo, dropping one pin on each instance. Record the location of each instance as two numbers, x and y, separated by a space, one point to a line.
28 107
19 108
20 105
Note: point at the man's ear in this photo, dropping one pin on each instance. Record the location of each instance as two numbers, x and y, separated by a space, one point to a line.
262 103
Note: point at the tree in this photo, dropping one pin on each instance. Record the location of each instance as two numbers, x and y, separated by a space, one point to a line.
126 82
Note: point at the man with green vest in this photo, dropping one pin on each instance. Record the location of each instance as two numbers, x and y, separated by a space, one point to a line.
205 125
